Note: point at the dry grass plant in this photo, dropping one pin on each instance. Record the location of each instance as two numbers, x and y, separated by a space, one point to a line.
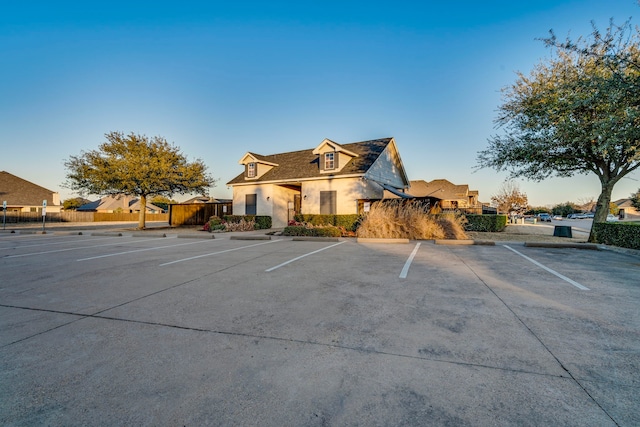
240 226
409 220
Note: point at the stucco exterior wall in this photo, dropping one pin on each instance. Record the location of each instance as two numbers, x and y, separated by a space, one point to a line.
263 206
386 169
348 191
271 200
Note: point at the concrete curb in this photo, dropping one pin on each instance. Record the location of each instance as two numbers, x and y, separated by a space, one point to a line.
464 242
625 251
378 240
315 239
590 246
250 238
196 236
107 234
148 235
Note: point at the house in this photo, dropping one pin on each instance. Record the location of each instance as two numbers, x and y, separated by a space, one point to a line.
329 179
24 196
445 193
118 203
204 199
626 209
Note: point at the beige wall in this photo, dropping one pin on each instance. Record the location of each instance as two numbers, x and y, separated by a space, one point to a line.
348 191
272 200
385 169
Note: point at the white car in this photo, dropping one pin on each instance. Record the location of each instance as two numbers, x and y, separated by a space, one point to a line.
612 218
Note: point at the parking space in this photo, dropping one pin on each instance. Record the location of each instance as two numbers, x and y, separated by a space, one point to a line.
163 330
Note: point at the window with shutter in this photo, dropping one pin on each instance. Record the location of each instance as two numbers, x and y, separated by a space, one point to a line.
329 161
250 204
328 202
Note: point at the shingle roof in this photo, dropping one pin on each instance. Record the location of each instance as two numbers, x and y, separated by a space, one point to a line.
112 203
439 188
20 192
304 164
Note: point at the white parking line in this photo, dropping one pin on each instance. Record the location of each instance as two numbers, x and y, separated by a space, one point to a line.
216 253
405 269
79 247
141 250
555 273
52 243
300 257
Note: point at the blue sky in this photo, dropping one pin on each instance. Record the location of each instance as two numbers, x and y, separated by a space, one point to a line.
219 79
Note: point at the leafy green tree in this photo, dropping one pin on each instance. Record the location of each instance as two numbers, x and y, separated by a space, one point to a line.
576 113
74 203
564 209
635 200
136 165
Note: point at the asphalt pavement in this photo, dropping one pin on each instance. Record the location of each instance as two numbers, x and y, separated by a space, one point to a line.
124 328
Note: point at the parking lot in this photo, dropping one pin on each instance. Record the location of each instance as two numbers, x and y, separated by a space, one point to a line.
140 329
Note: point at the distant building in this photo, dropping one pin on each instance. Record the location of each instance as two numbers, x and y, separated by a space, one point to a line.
626 209
443 192
205 199
118 203
24 196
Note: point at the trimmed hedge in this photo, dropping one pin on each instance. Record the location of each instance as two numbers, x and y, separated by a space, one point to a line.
617 234
349 222
263 222
299 230
485 222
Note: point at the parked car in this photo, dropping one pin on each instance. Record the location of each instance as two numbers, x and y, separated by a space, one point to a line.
557 217
576 216
612 218
544 217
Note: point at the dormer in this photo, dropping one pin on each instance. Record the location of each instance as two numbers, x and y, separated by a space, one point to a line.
255 166
332 157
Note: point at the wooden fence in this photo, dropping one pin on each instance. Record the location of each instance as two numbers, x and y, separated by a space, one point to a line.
14 217
197 213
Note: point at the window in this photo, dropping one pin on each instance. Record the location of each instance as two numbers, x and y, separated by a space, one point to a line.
251 170
250 204
328 202
329 161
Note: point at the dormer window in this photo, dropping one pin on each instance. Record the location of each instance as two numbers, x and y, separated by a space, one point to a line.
329 161
251 170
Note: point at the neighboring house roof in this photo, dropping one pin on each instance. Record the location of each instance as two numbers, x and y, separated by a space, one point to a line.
113 203
624 203
205 199
20 192
298 165
440 189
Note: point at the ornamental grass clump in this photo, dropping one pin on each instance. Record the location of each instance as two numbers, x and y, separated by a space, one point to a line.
409 220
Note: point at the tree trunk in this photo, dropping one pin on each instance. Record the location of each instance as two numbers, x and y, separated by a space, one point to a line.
602 207
143 211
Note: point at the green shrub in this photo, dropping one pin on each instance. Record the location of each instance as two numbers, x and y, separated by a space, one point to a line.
263 222
485 222
300 230
348 222
617 234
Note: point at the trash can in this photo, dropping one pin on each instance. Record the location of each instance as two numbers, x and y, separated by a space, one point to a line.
562 231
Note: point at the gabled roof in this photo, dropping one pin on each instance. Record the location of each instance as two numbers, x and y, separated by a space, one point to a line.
253 157
440 189
115 202
334 146
303 164
20 192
